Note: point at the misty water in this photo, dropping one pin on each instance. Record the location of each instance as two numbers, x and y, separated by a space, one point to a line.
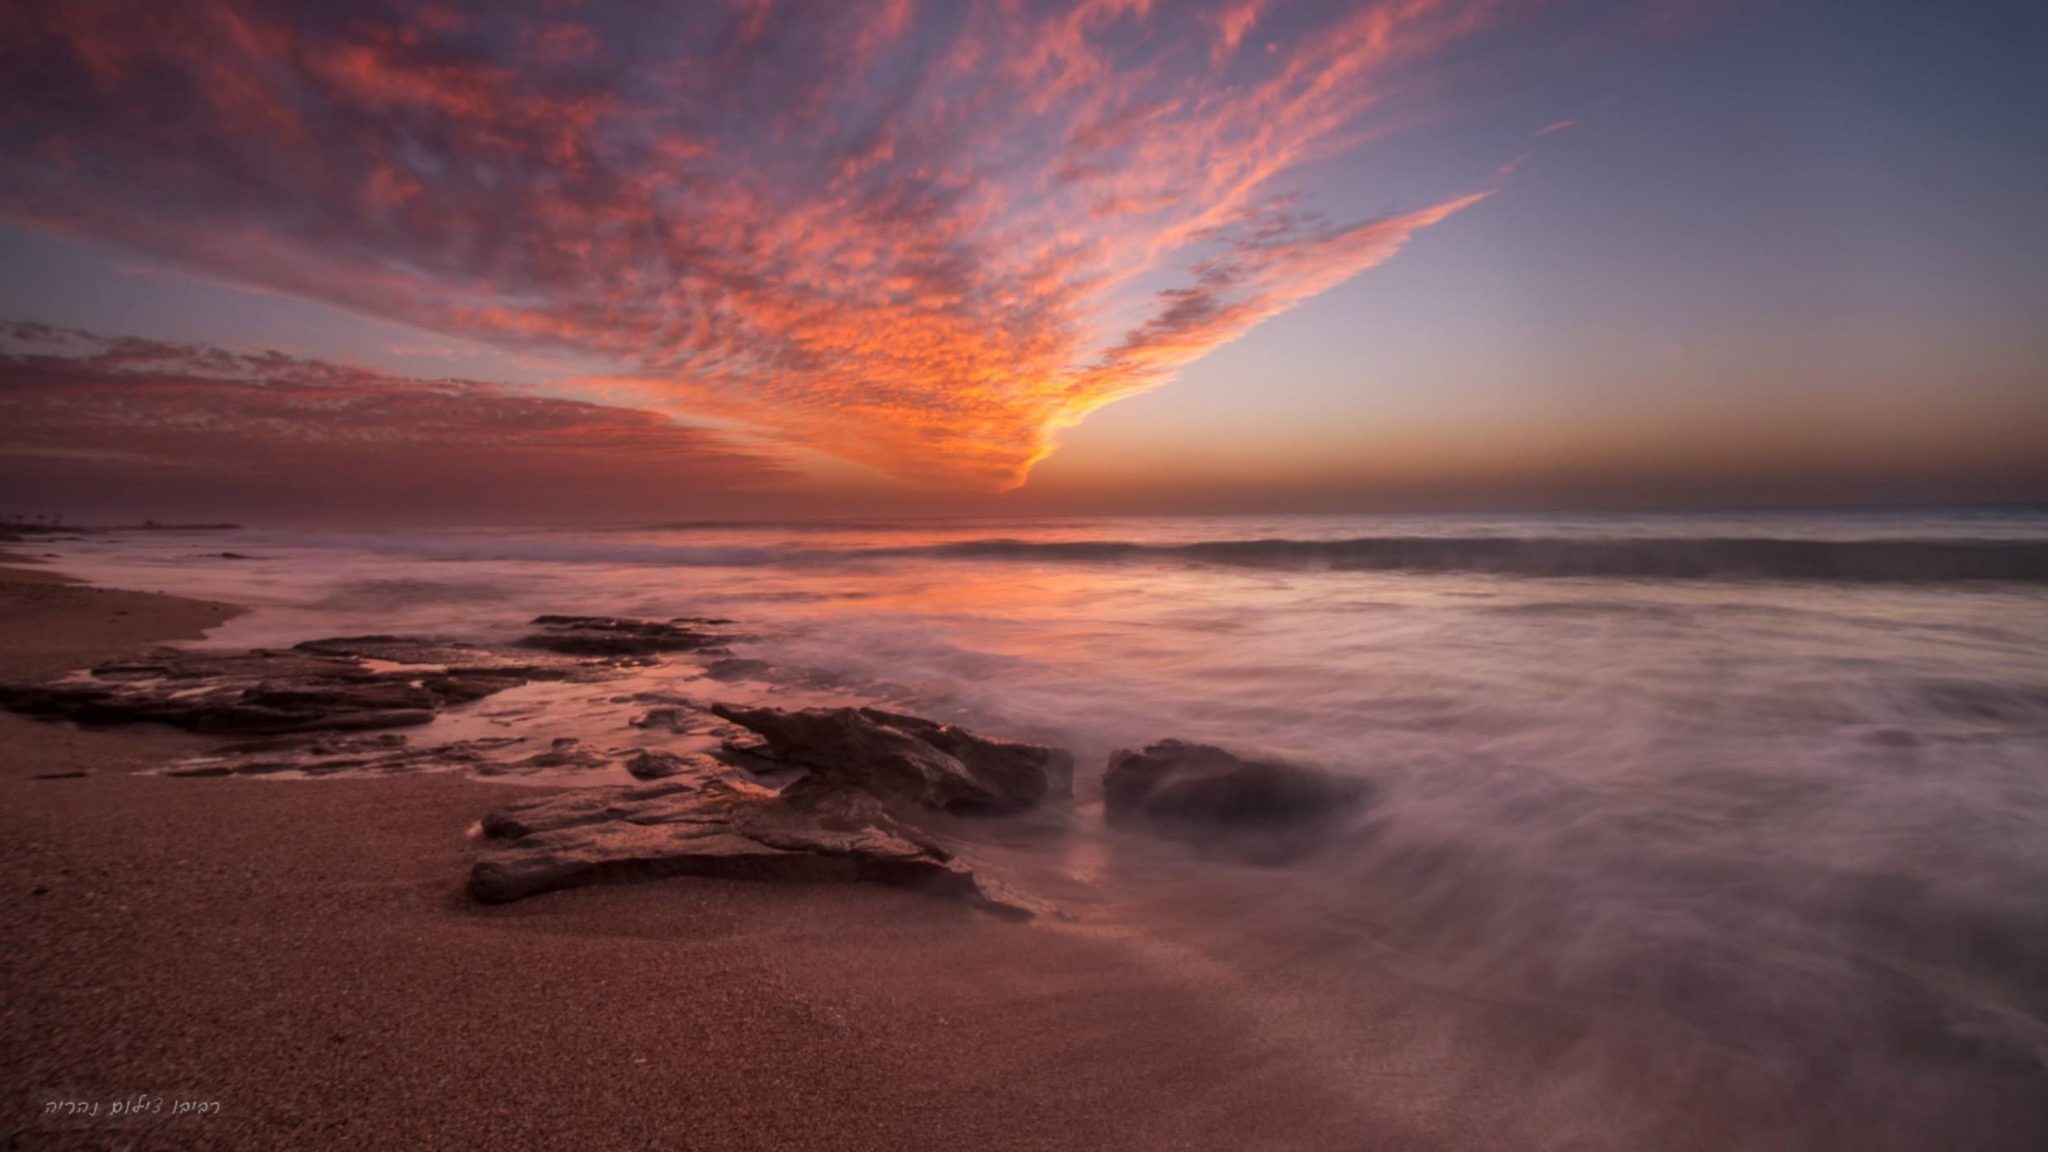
1722 824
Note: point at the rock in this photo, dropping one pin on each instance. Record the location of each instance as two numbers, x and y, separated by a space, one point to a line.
332 700
398 649
905 758
674 718
737 668
653 764
383 753
563 752
718 828
315 695
615 636
1203 793
333 684
466 687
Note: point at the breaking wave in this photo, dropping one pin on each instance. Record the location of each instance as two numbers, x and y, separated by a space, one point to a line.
1758 558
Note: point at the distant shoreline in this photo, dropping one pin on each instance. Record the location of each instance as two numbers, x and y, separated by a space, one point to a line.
16 531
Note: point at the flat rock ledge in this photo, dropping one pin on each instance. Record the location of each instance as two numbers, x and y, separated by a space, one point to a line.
622 636
904 760
319 686
809 831
334 705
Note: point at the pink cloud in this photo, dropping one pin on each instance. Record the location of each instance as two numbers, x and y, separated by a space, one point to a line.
199 424
912 236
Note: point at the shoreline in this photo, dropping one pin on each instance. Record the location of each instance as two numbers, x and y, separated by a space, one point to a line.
299 956
300 953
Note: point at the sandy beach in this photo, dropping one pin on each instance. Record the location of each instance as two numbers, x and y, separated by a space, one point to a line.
301 953
304 962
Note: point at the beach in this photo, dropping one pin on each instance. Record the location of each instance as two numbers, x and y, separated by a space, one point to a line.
301 952
1578 905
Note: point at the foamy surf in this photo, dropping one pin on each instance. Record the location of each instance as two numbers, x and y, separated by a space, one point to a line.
1762 796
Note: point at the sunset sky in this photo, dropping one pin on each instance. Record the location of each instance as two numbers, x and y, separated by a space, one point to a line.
563 260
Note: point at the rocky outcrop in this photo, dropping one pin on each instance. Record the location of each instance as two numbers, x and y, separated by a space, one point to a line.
834 822
1202 793
336 684
903 759
849 775
327 754
654 764
318 686
619 636
242 693
715 828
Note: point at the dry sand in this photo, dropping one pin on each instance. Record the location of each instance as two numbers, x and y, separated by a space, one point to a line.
300 952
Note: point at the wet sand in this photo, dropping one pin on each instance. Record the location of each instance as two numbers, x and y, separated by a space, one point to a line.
300 952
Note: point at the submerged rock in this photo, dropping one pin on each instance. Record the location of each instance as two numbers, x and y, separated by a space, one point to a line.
733 668
674 718
717 828
1201 792
904 758
618 635
399 649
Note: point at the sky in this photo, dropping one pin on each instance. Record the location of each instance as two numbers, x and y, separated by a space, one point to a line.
560 260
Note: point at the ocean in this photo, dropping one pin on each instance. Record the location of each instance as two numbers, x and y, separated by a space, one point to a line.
1739 816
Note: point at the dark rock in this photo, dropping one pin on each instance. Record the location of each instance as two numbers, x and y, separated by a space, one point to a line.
320 685
736 668
256 664
614 636
906 758
467 687
398 649
714 829
347 694
235 717
563 752
653 764
673 718
328 754
1201 792
231 706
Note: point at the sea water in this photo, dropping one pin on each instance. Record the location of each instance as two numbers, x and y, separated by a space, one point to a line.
1759 800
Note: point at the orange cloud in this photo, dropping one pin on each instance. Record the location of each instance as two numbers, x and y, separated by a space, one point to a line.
920 237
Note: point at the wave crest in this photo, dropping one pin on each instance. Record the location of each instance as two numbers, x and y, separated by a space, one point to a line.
1760 558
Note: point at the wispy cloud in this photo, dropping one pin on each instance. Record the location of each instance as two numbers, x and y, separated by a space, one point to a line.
918 236
1558 126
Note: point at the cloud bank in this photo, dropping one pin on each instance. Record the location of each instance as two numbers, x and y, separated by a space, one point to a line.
146 427
921 236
